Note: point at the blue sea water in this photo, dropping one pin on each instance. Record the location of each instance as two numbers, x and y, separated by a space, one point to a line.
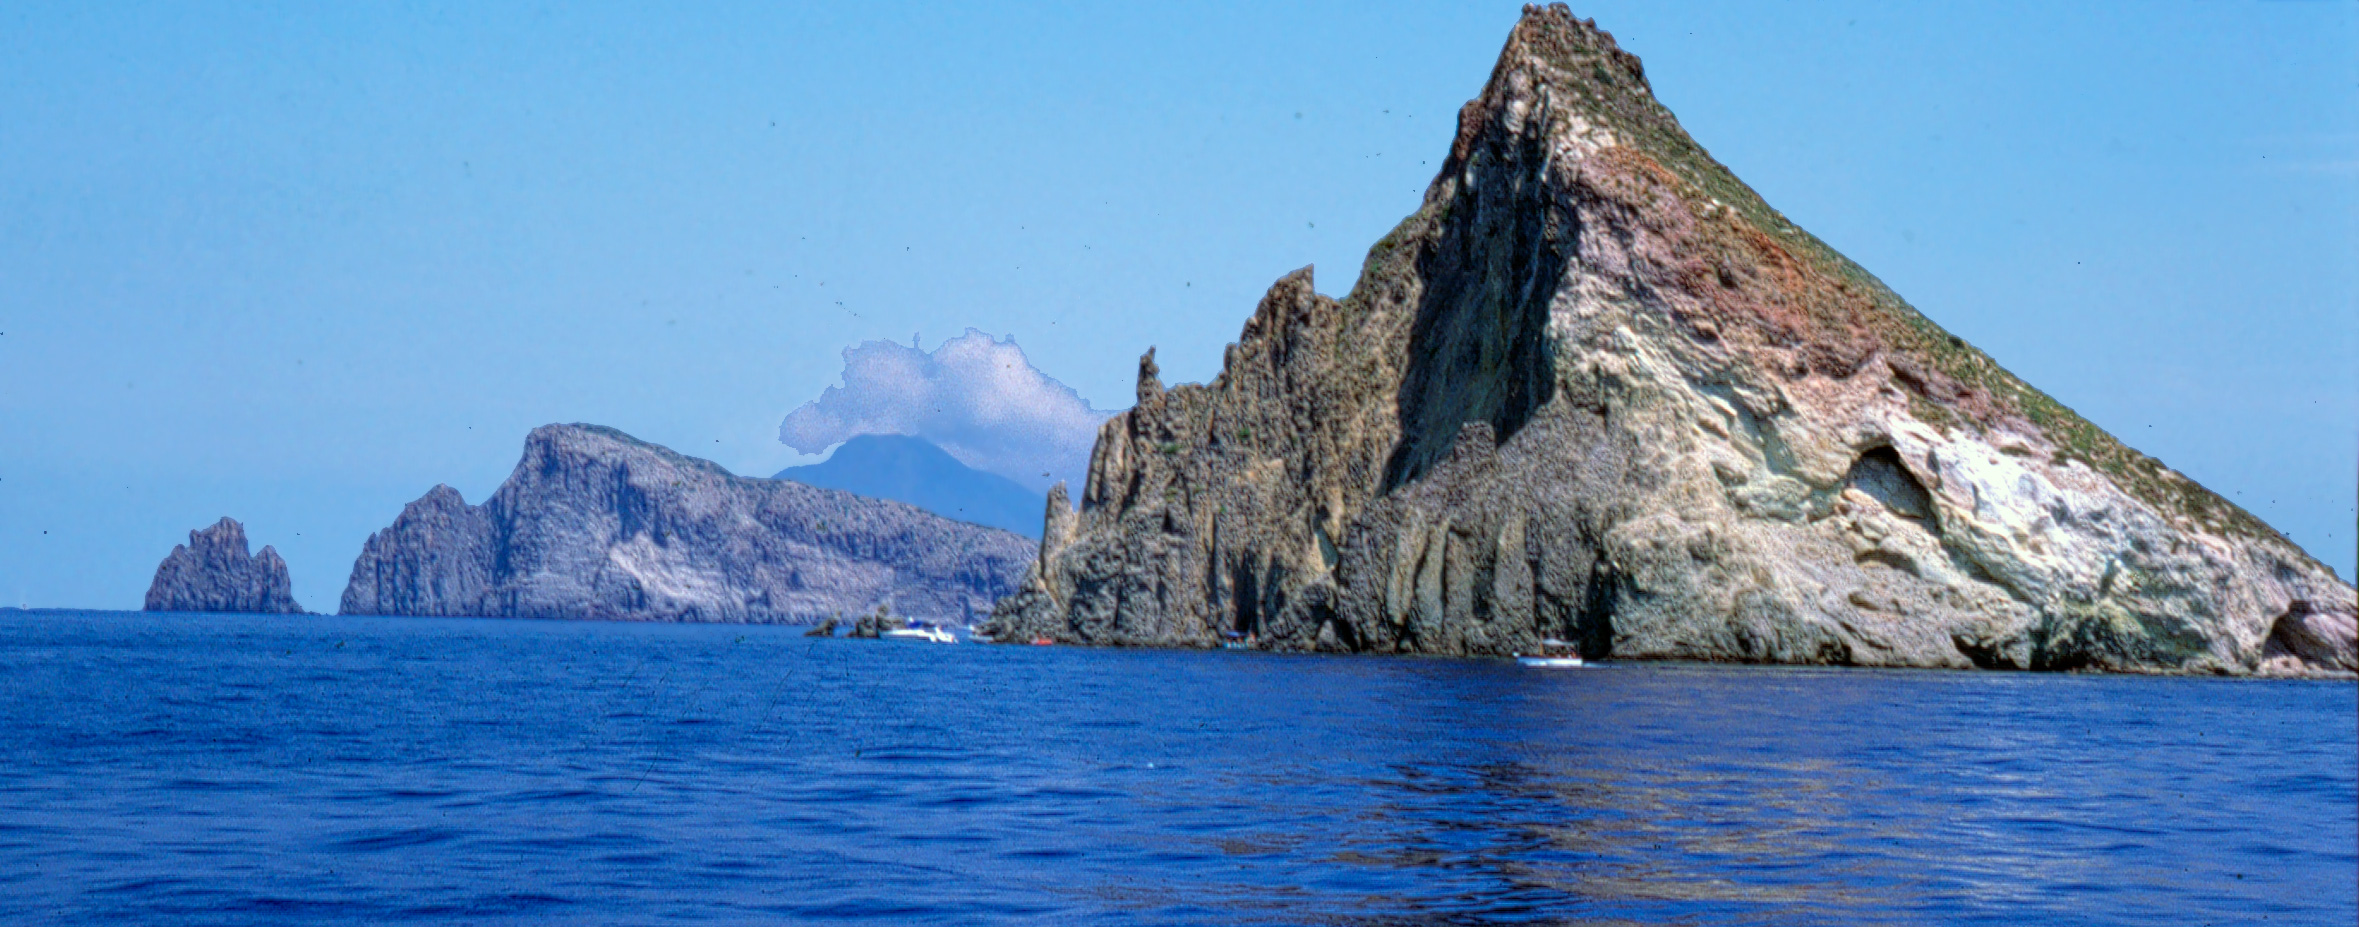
295 770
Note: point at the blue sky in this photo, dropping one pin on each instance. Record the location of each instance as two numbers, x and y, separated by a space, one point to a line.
298 264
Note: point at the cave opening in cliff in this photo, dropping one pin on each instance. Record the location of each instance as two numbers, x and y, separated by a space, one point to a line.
1882 476
1244 600
1592 627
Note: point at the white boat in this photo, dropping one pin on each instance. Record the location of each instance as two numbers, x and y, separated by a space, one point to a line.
918 631
1554 654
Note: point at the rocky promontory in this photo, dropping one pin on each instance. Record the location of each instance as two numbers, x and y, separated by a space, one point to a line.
1596 389
596 524
213 572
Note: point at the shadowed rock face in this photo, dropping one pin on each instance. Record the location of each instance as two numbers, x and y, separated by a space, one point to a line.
214 573
1596 389
596 524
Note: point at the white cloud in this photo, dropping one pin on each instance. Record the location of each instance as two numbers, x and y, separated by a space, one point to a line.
979 399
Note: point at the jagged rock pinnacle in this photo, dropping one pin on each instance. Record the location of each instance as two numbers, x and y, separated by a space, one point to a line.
214 573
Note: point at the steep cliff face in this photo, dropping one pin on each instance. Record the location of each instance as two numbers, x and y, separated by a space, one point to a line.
1596 389
214 573
596 524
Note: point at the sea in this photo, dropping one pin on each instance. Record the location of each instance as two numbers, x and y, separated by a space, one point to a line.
230 769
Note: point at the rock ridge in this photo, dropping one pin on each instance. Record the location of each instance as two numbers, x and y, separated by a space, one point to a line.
1596 389
594 523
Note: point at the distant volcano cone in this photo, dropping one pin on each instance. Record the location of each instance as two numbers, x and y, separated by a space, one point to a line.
1596 389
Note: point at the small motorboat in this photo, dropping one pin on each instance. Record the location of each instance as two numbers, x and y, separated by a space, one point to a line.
1554 654
921 631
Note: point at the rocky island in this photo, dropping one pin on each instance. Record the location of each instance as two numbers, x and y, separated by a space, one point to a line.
213 572
1595 388
596 524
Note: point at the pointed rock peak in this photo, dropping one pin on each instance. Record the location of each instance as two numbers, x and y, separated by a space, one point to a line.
1564 85
1057 531
1150 378
1562 76
1290 296
1567 115
224 533
1551 34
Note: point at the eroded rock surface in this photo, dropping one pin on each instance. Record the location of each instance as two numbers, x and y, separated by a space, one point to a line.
596 524
1596 389
213 572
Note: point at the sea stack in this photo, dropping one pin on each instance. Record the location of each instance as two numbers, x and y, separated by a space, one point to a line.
214 573
1596 389
594 523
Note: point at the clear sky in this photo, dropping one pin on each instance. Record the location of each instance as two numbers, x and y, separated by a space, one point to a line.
298 264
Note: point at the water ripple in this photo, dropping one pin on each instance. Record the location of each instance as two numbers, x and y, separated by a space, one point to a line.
230 770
